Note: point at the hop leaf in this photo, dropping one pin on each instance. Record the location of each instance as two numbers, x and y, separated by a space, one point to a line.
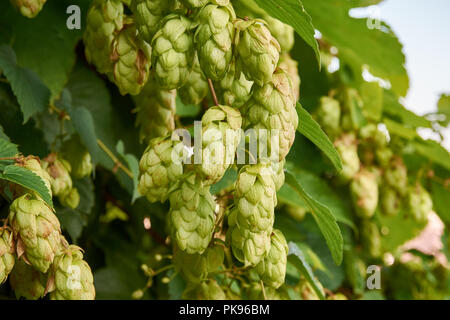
29 8
346 146
148 14
234 88
364 192
36 230
33 164
196 87
7 254
213 39
27 282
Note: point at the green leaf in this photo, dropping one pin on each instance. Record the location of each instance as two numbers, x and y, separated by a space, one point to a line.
72 221
297 258
133 165
393 109
372 95
311 130
28 179
7 150
441 201
33 96
433 151
294 14
324 219
227 181
444 105
399 129
185 111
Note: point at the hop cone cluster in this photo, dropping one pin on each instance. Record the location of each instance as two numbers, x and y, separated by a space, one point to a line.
7 256
196 87
29 8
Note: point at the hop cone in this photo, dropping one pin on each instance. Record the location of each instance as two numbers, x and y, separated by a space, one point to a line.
59 171
196 87
27 282
71 277
7 256
192 215
373 136
148 14
234 89
201 3
391 201
71 199
396 175
206 290
278 173
420 203
290 66
347 149
384 156
78 157
29 8
257 50
272 108
36 230
155 108
213 39
104 19
371 238
131 61
284 33
272 269
33 164
255 292
173 52
329 116
221 135
364 192
160 167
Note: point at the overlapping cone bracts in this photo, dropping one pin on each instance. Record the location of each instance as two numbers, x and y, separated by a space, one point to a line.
396 175
329 116
104 20
200 3
148 14
364 193
214 39
29 8
192 215
7 253
59 171
131 58
78 157
196 87
420 203
257 50
36 231
290 66
71 199
173 51
71 277
158 170
205 290
284 33
255 292
27 282
346 146
272 107
155 111
221 134
234 89
371 238
278 173
272 269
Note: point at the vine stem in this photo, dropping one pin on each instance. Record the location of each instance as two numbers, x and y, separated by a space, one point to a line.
114 158
213 92
9 158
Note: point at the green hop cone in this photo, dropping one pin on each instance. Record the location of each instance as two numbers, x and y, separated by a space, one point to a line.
33 164
396 175
272 115
78 157
196 87
272 269
371 238
373 136
383 156
29 8
284 33
36 230
7 254
71 199
205 290
257 50
420 203
201 3
364 192
346 146
214 38
221 134
155 111
290 66
71 277
234 89
148 14
248 247
255 292
329 116
391 201
173 51
104 19
27 282
278 173
160 167
59 171
131 59
192 215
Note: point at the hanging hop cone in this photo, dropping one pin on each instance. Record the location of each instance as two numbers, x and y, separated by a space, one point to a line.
173 51
78 157
205 290
290 66
329 116
131 58
201 3
373 136
420 203
33 164
192 215
221 134
71 199
71 277
214 39
104 19
391 201
272 115
160 167
396 175
364 192
346 146
272 269
371 238
36 230
29 8
257 50
255 292
27 282
284 33
384 156
7 254
148 14
278 173
196 87
155 111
